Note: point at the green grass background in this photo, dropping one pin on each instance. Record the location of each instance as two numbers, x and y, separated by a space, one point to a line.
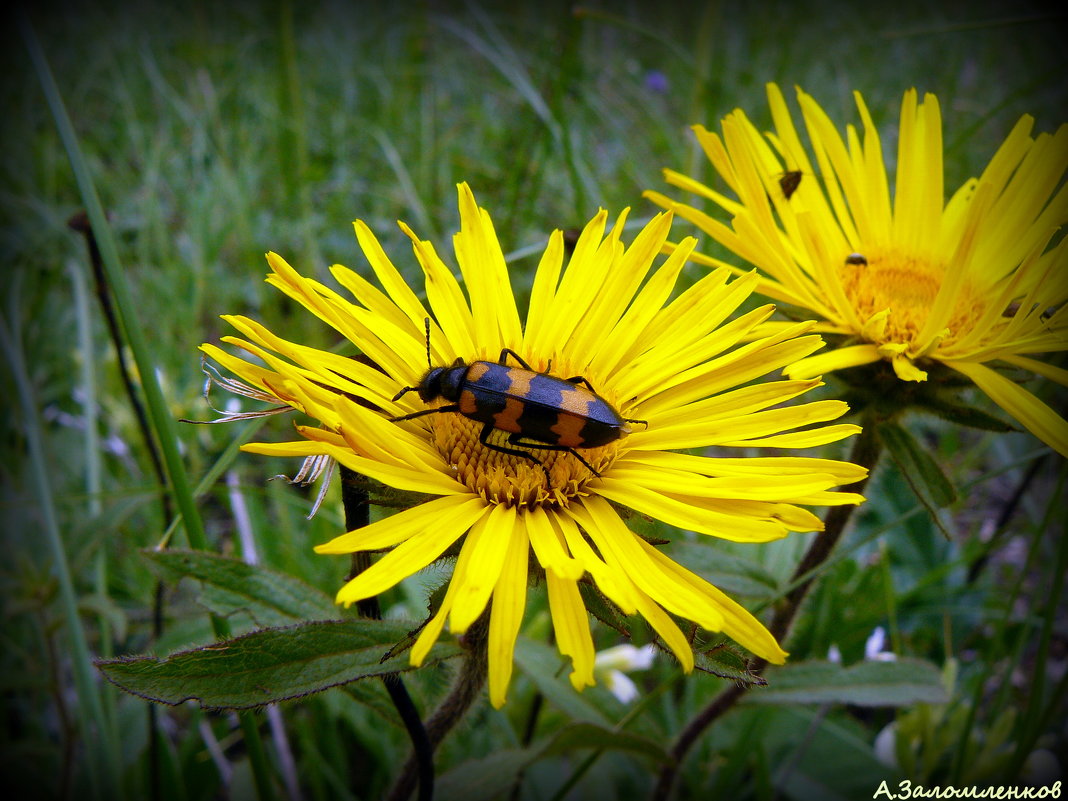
216 132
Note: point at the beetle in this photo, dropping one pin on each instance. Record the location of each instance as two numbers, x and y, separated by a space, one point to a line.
538 410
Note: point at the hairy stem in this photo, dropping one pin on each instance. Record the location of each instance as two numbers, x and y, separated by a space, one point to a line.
470 679
356 501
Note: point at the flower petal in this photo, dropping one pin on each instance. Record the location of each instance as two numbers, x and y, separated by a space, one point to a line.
689 516
409 557
738 624
450 511
549 546
488 541
1036 416
509 601
572 627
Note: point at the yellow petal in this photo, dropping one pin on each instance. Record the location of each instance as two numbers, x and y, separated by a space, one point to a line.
812 438
1056 374
665 627
478 252
733 430
450 511
572 627
1036 416
543 293
757 469
620 548
831 360
549 546
617 591
432 630
409 557
488 542
689 516
738 624
509 601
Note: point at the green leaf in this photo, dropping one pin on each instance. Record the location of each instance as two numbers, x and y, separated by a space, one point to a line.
230 585
602 609
822 758
917 467
899 683
268 665
722 659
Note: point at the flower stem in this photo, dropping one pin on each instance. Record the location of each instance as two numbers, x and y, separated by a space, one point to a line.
470 678
355 499
866 451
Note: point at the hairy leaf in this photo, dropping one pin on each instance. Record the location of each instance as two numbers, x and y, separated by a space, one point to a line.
268 665
230 585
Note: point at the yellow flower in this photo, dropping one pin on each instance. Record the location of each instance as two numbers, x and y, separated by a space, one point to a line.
909 279
672 363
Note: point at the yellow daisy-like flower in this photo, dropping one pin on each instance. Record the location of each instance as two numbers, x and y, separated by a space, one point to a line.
674 364
910 279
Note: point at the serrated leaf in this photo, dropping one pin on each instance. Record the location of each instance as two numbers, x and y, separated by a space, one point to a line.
229 585
727 663
917 467
268 665
902 682
601 608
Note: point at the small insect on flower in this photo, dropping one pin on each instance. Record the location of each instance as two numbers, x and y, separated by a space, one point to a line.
857 260
789 181
537 410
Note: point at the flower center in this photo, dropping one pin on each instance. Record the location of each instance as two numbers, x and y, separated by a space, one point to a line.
509 479
903 283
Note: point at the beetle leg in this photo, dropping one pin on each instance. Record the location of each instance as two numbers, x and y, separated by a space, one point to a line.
632 420
423 412
581 379
517 439
483 437
516 356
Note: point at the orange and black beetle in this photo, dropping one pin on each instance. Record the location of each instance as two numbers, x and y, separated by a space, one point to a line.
538 410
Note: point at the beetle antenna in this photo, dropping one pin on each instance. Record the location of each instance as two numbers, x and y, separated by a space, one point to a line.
426 322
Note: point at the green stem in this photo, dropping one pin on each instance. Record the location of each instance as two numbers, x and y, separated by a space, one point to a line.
866 452
134 335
